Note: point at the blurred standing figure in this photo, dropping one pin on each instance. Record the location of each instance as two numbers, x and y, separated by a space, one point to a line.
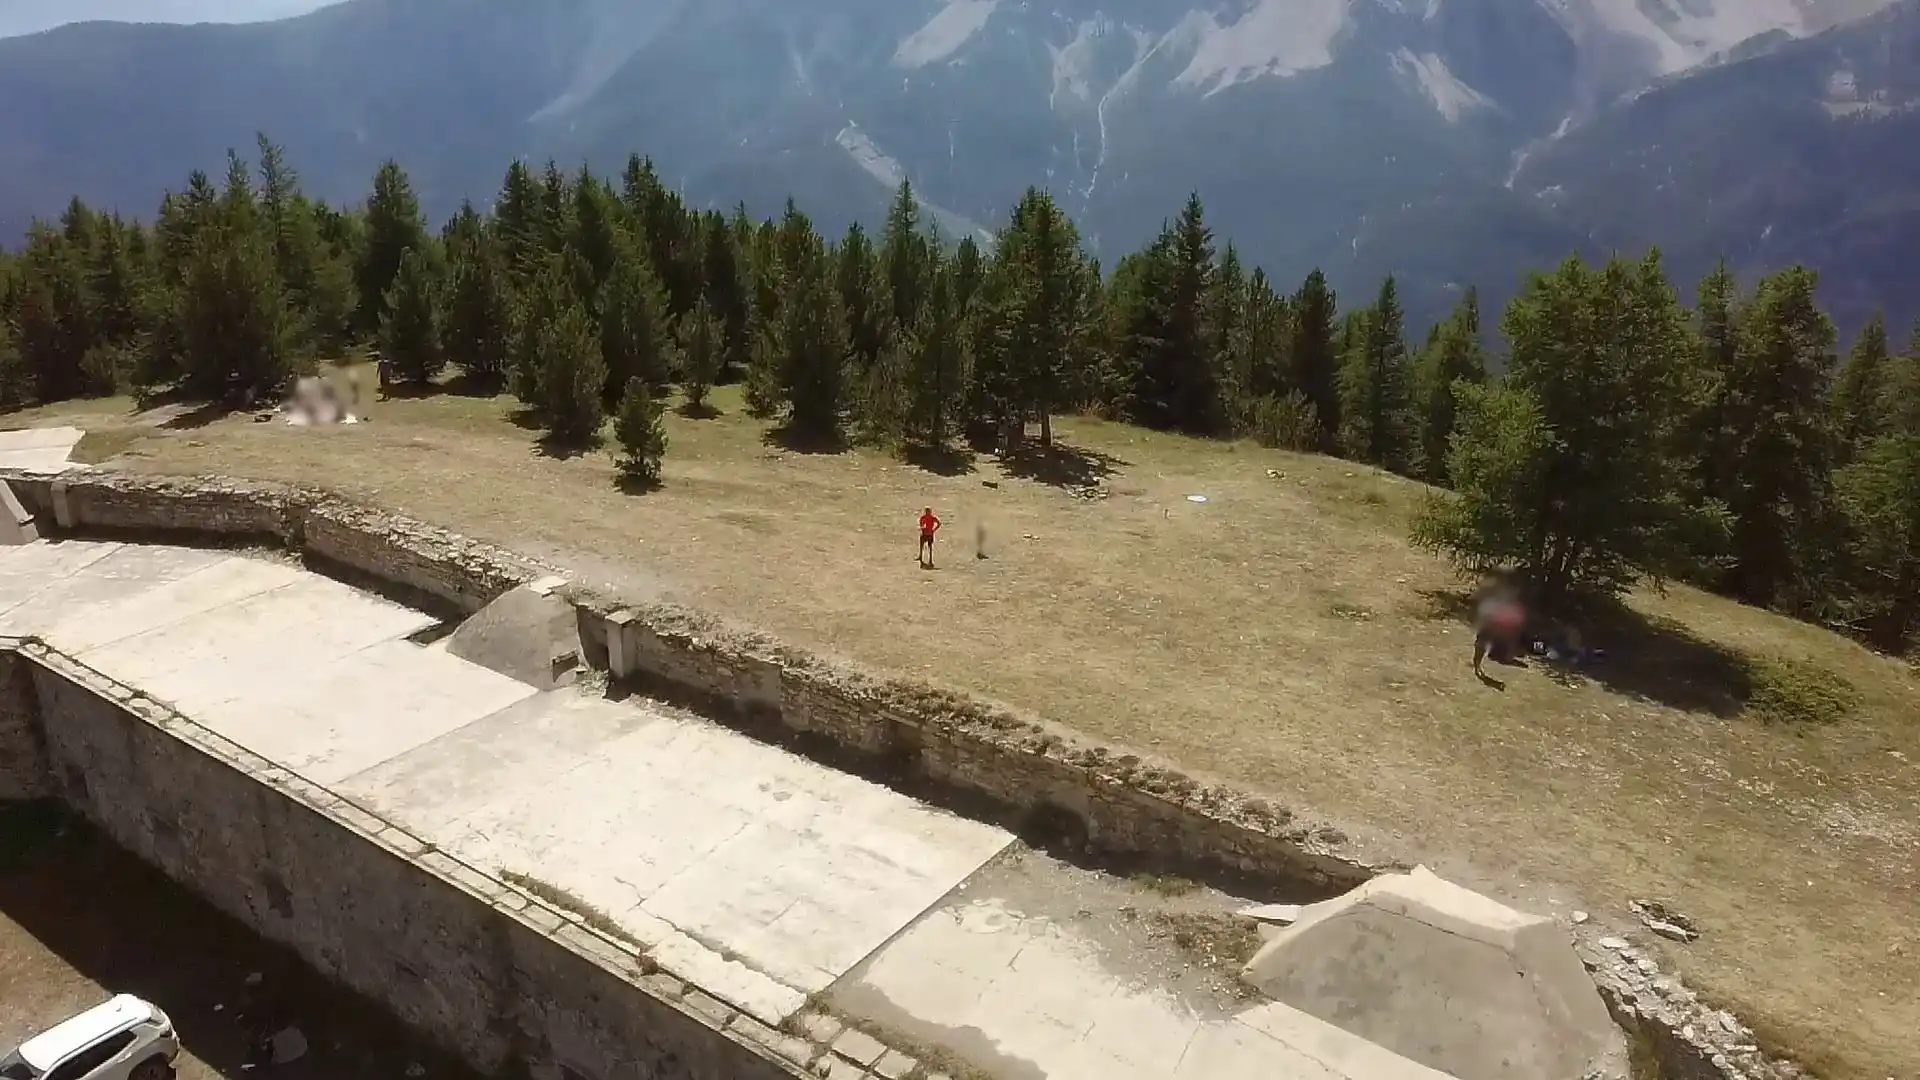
1498 619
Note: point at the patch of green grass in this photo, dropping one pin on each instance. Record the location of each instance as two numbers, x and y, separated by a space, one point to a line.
566 901
1797 692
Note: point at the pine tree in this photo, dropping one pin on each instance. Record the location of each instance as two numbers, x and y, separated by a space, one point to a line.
1879 493
479 323
635 335
1316 361
640 434
862 297
936 374
1778 439
905 258
1189 379
1574 468
319 283
394 227
724 272
595 230
1050 300
519 224
1855 401
814 347
410 331
702 337
1452 361
574 380
1376 399
1716 322
547 297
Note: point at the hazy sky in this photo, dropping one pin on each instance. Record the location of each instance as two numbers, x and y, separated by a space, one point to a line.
29 16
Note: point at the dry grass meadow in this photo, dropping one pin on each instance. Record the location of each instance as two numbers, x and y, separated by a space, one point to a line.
1282 635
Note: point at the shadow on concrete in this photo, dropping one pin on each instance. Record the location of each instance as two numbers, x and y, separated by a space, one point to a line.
75 906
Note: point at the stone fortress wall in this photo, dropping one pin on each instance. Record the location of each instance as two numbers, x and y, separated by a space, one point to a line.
952 748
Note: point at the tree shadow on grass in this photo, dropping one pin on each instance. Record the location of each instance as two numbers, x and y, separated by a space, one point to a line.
800 441
1059 465
629 484
564 448
940 460
706 410
201 415
1645 657
459 384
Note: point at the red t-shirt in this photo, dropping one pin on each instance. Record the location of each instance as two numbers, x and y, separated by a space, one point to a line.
928 523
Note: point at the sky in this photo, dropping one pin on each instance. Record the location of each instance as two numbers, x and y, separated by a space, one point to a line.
32 16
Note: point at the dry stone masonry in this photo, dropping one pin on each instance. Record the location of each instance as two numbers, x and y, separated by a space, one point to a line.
969 751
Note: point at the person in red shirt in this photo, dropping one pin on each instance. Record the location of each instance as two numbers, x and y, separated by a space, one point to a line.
928 526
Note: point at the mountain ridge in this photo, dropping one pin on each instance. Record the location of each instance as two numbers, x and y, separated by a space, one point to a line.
1421 137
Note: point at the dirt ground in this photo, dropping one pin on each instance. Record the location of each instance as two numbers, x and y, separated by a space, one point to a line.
1281 634
81 920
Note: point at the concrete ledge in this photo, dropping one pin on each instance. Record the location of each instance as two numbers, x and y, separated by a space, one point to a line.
956 748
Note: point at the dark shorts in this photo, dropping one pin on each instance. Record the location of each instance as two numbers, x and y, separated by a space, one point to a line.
926 538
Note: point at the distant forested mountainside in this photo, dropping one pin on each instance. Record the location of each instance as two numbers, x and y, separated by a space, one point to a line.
1451 143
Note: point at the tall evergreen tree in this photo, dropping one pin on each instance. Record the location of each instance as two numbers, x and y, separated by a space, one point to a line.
1452 361
1376 402
863 298
573 381
635 333
1316 360
1574 468
905 258
1716 324
1855 401
394 227
319 282
701 335
1049 301
937 371
1778 438
410 331
815 351
479 324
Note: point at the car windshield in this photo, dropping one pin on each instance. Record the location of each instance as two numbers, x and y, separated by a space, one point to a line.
14 1067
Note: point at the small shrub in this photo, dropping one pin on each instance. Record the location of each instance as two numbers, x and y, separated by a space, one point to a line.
1796 692
639 434
1287 423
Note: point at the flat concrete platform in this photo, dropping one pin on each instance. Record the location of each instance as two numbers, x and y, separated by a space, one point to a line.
755 874
761 877
39 450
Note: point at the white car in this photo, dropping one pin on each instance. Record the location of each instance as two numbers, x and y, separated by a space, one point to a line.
122 1039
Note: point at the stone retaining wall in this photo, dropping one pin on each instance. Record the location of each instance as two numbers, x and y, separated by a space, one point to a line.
514 986
23 759
967 750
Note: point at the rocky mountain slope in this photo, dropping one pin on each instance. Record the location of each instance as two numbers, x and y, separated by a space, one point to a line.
1451 141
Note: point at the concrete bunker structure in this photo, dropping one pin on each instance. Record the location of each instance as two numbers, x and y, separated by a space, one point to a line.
1446 977
616 1014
